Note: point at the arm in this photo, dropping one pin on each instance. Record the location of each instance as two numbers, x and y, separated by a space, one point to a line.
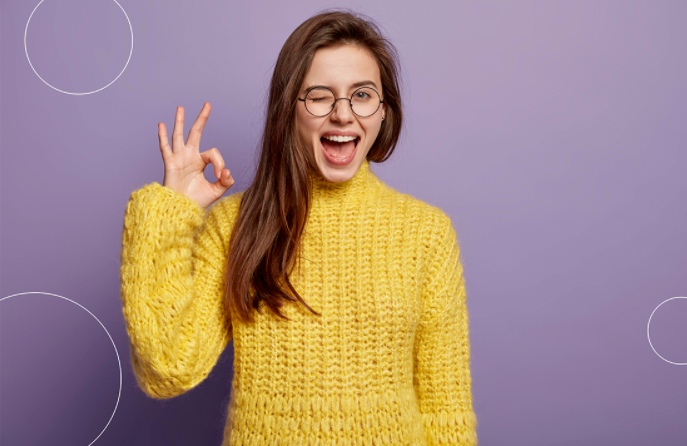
442 351
172 287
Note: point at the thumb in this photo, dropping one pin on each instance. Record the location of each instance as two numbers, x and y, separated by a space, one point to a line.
224 182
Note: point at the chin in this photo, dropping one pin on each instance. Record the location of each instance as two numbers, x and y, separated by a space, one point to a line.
337 174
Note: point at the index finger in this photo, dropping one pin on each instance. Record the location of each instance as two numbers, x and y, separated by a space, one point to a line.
197 128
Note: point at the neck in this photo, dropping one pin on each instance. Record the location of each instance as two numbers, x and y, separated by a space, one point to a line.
356 187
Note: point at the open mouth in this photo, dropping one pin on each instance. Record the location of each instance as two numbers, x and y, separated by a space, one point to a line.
339 152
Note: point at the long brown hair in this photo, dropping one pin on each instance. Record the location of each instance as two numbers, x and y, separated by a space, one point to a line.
273 210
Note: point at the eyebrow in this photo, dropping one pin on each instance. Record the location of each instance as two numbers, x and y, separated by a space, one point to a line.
356 85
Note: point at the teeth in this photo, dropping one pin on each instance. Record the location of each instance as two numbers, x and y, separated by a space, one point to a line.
340 138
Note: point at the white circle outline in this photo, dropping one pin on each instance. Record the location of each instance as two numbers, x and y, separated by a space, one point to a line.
649 337
26 30
111 340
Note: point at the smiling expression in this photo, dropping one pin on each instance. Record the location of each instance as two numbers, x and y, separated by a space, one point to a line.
341 68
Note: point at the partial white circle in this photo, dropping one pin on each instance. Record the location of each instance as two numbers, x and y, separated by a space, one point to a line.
113 344
647 331
26 30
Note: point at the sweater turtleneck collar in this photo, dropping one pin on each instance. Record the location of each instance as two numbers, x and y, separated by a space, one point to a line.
357 187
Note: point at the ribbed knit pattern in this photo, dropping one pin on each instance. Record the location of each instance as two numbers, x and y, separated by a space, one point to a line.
388 363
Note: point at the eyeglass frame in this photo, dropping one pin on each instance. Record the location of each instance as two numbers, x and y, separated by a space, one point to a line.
381 101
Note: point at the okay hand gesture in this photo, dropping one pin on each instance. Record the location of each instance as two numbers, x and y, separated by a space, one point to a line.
184 165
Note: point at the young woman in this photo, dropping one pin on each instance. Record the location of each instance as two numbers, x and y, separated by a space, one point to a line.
345 298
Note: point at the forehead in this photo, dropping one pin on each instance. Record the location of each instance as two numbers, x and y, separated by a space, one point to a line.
340 66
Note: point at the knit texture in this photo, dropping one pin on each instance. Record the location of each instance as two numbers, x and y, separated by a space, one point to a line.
388 363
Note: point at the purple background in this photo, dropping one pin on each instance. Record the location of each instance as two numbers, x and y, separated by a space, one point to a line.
553 133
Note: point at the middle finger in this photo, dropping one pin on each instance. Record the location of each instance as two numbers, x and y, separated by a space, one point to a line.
197 129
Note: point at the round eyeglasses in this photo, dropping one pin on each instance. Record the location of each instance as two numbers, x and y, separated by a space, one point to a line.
320 101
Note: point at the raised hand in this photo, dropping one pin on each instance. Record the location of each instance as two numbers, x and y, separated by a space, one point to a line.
185 165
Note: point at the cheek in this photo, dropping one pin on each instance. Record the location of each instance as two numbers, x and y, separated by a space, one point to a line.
374 130
305 127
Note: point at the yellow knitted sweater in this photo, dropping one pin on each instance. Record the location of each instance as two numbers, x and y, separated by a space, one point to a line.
388 363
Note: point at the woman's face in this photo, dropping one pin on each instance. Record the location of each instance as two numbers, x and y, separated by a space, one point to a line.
339 68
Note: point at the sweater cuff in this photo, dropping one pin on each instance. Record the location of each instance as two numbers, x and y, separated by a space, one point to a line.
173 206
448 427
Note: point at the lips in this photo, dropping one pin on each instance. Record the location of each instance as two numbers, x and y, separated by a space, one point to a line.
339 133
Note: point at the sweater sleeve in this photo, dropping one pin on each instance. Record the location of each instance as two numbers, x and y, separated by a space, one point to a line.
172 287
442 351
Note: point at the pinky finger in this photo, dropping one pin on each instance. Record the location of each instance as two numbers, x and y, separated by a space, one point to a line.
164 141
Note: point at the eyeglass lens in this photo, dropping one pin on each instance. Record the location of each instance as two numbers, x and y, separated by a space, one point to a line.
320 101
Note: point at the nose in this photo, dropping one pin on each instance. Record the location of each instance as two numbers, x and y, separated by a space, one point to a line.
342 111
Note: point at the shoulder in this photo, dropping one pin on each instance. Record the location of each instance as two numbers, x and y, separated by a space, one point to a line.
228 204
222 214
430 218
427 227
